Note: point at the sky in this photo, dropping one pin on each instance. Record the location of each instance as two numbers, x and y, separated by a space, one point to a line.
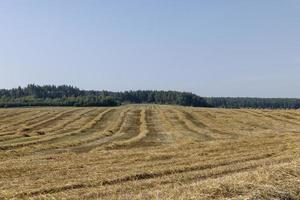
211 48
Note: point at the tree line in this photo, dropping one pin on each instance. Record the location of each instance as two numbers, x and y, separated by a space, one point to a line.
246 102
50 95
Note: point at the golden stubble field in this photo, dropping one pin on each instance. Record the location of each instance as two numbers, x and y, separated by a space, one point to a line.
149 152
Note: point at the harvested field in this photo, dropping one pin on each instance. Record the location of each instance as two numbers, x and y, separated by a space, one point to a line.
149 152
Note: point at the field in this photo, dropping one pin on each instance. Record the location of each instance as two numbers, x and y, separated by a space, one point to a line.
149 152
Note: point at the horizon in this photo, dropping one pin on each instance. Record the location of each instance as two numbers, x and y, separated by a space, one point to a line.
181 91
224 49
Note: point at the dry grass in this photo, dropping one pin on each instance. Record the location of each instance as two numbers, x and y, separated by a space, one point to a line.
149 152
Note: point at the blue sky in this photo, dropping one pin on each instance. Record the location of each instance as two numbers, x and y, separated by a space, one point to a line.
212 48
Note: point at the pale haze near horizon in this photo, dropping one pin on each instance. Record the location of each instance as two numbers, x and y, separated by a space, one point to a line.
211 48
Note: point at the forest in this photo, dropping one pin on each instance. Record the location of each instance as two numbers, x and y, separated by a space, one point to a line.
51 95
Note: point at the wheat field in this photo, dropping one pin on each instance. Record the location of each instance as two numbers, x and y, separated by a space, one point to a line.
149 152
